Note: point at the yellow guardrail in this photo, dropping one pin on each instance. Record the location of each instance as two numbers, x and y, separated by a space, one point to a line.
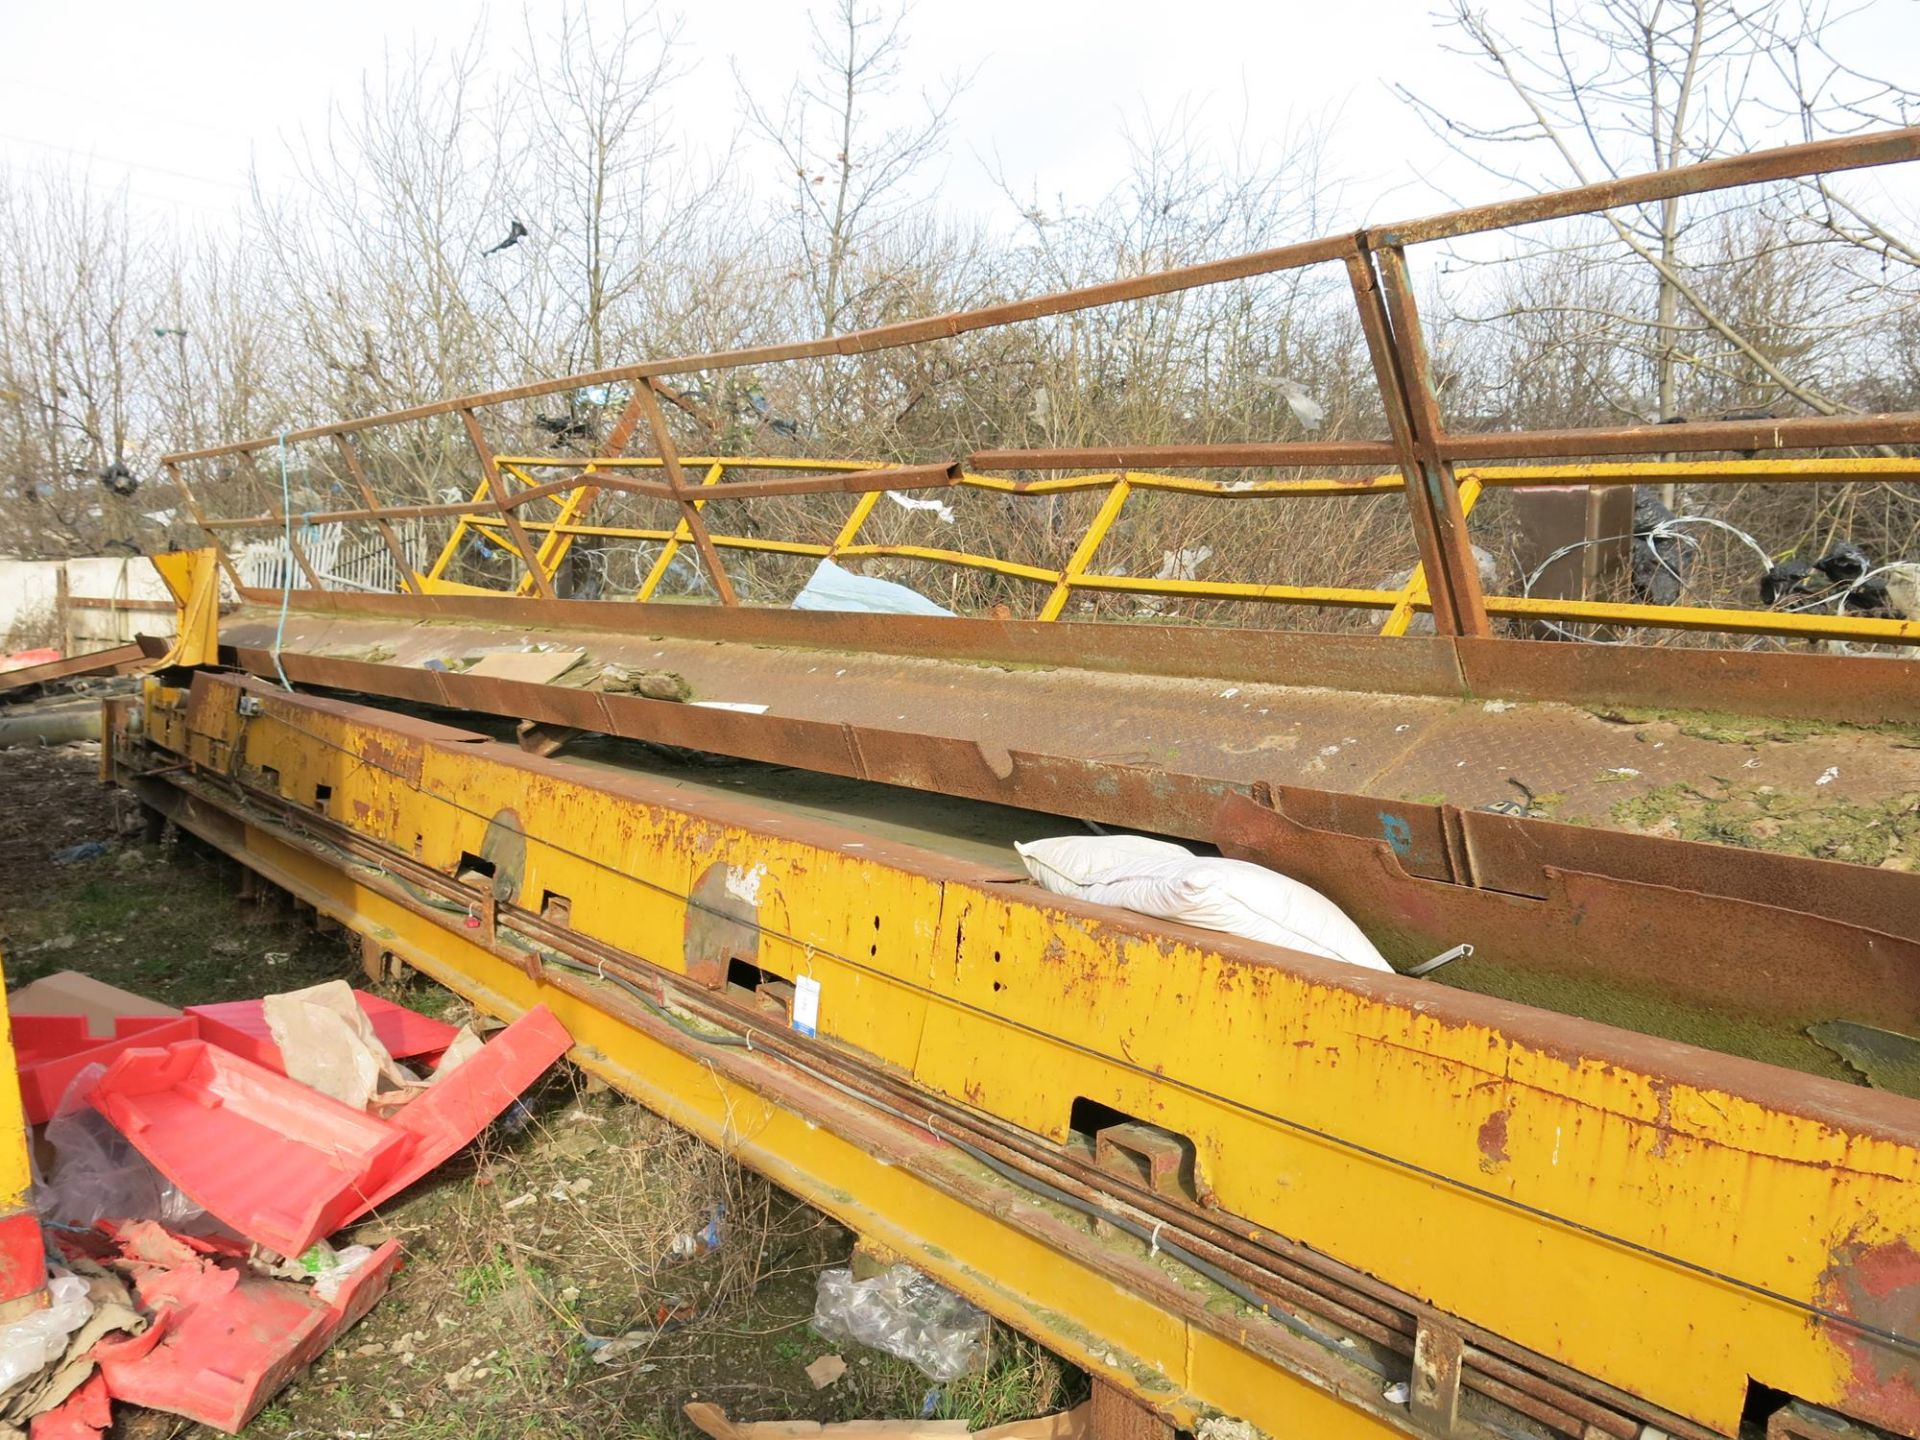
570 504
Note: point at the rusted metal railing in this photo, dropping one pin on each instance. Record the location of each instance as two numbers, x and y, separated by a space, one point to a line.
1440 472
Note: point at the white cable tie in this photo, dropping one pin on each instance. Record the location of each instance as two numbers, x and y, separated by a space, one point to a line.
1153 1245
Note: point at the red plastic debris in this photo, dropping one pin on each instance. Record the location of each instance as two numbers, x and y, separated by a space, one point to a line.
81 1416
224 1340
241 1026
21 659
284 1165
50 1050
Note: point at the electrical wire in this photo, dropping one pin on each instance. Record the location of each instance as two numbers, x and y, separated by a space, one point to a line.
1902 1342
1668 529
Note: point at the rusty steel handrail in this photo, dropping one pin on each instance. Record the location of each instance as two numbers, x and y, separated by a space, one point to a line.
1788 162
1419 443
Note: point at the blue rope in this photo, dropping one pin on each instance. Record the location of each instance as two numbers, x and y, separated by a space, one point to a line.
286 563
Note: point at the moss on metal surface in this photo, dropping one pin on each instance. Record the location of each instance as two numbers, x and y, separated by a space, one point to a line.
1774 1041
1764 817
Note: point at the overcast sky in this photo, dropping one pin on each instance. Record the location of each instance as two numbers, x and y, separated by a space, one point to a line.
174 99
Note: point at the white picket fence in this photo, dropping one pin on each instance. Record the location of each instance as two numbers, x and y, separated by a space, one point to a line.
341 561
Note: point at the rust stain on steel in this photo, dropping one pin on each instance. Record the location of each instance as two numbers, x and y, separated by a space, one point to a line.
1766 961
1878 1284
1492 1139
1833 939
721 927
1801 432
504 846
121 660
1151 457
1329 738
922 857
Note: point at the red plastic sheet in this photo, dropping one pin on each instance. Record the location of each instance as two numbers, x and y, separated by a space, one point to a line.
241 1026
81 1416
224 1340
50 1050
284 1165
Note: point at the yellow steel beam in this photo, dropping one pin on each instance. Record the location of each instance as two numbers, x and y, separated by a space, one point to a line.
1186 1371
1330 595
1089 545
1072 1301
1401 605
452 547
553 549
682 533
192 577
1804 625
964 559
618 532
861 510
1842 470
1413 596
1668 1222
23 1272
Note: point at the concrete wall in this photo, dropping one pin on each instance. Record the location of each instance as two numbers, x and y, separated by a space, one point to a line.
31 612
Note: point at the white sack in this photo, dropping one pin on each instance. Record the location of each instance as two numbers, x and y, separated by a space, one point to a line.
1068 865
1158 878
832 587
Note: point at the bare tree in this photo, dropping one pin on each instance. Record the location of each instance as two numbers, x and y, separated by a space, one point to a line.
850 173
1599 90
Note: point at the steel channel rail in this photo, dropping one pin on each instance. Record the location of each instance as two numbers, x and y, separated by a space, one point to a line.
1314 1288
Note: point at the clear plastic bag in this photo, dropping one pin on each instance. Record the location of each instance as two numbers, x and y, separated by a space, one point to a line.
96 1173
906 1314
32 1343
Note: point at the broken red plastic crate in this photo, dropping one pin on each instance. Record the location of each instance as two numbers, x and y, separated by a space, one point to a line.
285 1165
224 1341
241 1026
50 1050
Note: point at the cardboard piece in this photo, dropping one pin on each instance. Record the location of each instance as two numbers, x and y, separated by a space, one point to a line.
534 667
53 1387
71 993
1074 1424
328 1042
824 1371
712 1420
241 1026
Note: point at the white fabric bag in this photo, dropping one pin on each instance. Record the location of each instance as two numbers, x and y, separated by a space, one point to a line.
1159 878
